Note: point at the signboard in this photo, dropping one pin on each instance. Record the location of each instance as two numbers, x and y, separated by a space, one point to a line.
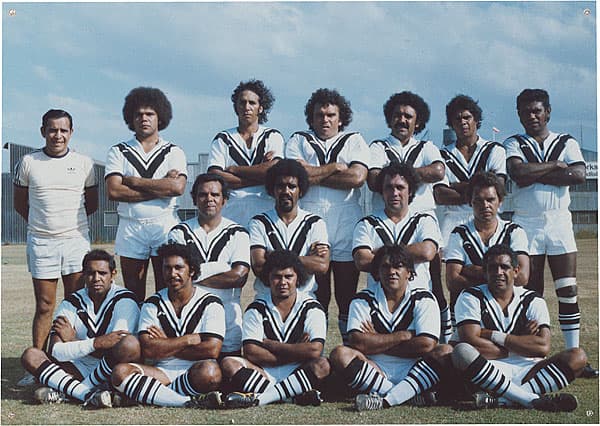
591 170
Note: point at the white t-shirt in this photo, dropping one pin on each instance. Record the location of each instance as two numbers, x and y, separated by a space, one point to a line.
56 187
228 148
223 248
377 230
417 154
203 314
129 159
534 199
346 147
269 232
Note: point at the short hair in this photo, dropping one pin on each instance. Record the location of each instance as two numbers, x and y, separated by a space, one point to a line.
283 259
461 103
102 255
186 252
500 250
398 255
403 169
325 97
209 177
533 95
147 97
287 167
53 114
410 99
485 180
265 96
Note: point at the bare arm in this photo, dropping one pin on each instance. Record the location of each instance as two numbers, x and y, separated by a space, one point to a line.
21 201
363 258
372 179
534 344
480 339
456 280
117 191
434 172
316 174
571 175
234 278
399 343
353 177
90 196
453 195
258 257
208 348
522 277
257 172
156 345
525 174
423 251
171 185
317 260
273 353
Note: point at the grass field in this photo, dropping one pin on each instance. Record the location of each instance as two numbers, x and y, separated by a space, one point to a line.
17 312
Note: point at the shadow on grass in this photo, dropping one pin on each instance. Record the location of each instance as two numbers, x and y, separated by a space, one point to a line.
11 373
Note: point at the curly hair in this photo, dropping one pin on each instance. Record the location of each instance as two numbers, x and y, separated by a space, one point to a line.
283 259
186 252
266 98
461 103
412 100
151 98
325 97
499 250
287 167
209 177
533 95
485 180
399 256
405 170
102 255
53 114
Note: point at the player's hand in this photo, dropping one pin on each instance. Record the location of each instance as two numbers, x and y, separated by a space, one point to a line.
318 249
156 332
341 167
172 174
63 329
561 164
305 338
269 155
532 327
302 162
368 327
109 340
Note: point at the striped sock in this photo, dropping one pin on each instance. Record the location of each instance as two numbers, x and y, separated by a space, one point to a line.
363 377
298 382
54 376
182 385
249 380
422 376
148 390
569 316
550 378
100 374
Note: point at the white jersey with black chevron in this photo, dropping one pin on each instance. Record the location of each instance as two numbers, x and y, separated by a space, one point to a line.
269 232
377 230
130 159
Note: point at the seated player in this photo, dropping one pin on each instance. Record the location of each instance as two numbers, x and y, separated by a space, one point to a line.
87 338
181 327
393 330
395 224
288 227
469 242
283 339
505 336
223 247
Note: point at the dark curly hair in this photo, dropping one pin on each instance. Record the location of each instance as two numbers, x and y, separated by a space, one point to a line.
53 114
485 180
499 250
287 167
266 98
151 98
461 103
405 170
209 177
533 95
410 99
325 97
98 254
283 259
398 255
186 252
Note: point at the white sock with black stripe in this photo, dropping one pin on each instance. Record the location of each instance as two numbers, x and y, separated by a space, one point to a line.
54 376
422 376
298 382
148 390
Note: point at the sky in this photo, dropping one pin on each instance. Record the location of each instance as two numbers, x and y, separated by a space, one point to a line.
85 57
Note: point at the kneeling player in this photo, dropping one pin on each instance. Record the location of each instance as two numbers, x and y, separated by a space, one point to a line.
283 338
182 327
87 338
505 335
393 333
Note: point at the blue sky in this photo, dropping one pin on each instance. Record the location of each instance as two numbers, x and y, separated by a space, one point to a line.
85 57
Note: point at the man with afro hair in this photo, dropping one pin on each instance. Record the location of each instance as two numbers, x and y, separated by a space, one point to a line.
243 154
145 175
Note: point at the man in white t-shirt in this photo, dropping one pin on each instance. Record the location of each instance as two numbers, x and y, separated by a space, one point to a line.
145 175
55 189
223 247
337 164
543 165
504 332
243 154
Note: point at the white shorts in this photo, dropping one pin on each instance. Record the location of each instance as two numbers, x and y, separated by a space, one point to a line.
49 258
85 365
242 209
141 238
549 233
395 368
175 369
515 368
340 221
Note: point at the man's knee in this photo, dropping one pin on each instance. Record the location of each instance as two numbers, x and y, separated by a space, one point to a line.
127 350
32 358
566 287
576 358
463 355
440 352
231 365
320 368
205 375
122 371
341 356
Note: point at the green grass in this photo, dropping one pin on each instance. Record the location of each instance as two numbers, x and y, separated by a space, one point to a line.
17 311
